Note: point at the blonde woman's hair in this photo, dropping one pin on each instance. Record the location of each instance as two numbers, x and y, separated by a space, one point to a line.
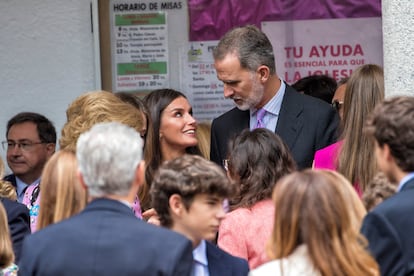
364 91
204 137
61 194
315 208
97 107
6 188
6 249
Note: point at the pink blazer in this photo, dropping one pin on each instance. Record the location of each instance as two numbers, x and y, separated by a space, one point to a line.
327 157
244 232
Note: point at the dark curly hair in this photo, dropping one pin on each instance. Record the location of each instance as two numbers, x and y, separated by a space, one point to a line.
257 160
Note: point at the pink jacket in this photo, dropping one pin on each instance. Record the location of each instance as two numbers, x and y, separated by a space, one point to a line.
245 232
327 157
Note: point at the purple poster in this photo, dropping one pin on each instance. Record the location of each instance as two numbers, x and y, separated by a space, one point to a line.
210 19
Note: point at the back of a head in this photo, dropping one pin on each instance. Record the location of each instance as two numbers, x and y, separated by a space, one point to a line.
133 99
319 86
364 91
45 128
257 160
312 208
6 249
187 176
250 44
108 156
61 195
392 123
96 107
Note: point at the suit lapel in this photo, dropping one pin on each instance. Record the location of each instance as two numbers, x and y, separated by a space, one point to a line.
290 119
216 266
242 121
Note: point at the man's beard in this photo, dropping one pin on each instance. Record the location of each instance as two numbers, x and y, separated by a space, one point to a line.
255 96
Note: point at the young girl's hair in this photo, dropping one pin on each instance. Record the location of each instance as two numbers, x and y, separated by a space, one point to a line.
321 210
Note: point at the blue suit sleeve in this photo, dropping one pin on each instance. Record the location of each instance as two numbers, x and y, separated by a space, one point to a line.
19 225
384 243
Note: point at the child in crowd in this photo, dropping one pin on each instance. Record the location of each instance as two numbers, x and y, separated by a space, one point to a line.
188 194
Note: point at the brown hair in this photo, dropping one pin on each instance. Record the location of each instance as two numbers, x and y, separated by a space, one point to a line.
257 160
392 123
156 102
187 176
6 249
364 90
138 103
61 195
312 207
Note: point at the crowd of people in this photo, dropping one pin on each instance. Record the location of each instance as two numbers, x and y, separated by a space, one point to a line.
317 181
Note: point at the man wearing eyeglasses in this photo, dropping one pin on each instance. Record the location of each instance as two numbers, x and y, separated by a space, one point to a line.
31 141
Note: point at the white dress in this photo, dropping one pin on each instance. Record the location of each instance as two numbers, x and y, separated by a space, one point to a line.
298 263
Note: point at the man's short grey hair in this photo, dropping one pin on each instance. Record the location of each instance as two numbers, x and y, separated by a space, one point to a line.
250 44
108 155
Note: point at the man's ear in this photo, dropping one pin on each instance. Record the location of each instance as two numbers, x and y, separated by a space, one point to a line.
81 180
50 148
140 173
386 151
139 178
176 205
264 73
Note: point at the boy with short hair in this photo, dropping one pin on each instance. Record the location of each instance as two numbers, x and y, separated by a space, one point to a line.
389 226
187 194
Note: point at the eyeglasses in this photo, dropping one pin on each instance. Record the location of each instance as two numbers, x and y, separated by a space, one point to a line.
24 146
337 104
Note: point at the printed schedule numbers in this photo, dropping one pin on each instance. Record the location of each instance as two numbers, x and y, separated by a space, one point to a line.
141 51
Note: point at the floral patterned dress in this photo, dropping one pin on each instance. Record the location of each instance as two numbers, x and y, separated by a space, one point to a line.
11 270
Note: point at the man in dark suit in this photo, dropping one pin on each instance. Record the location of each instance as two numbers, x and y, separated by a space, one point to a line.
31 141
19 223
245 63
389 227
106 238
188 194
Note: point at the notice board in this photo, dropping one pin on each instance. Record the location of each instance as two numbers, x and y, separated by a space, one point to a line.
139 42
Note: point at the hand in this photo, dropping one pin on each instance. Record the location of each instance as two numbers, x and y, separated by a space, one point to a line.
151 216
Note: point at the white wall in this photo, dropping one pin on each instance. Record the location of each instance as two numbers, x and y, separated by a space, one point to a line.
46 57
398 36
